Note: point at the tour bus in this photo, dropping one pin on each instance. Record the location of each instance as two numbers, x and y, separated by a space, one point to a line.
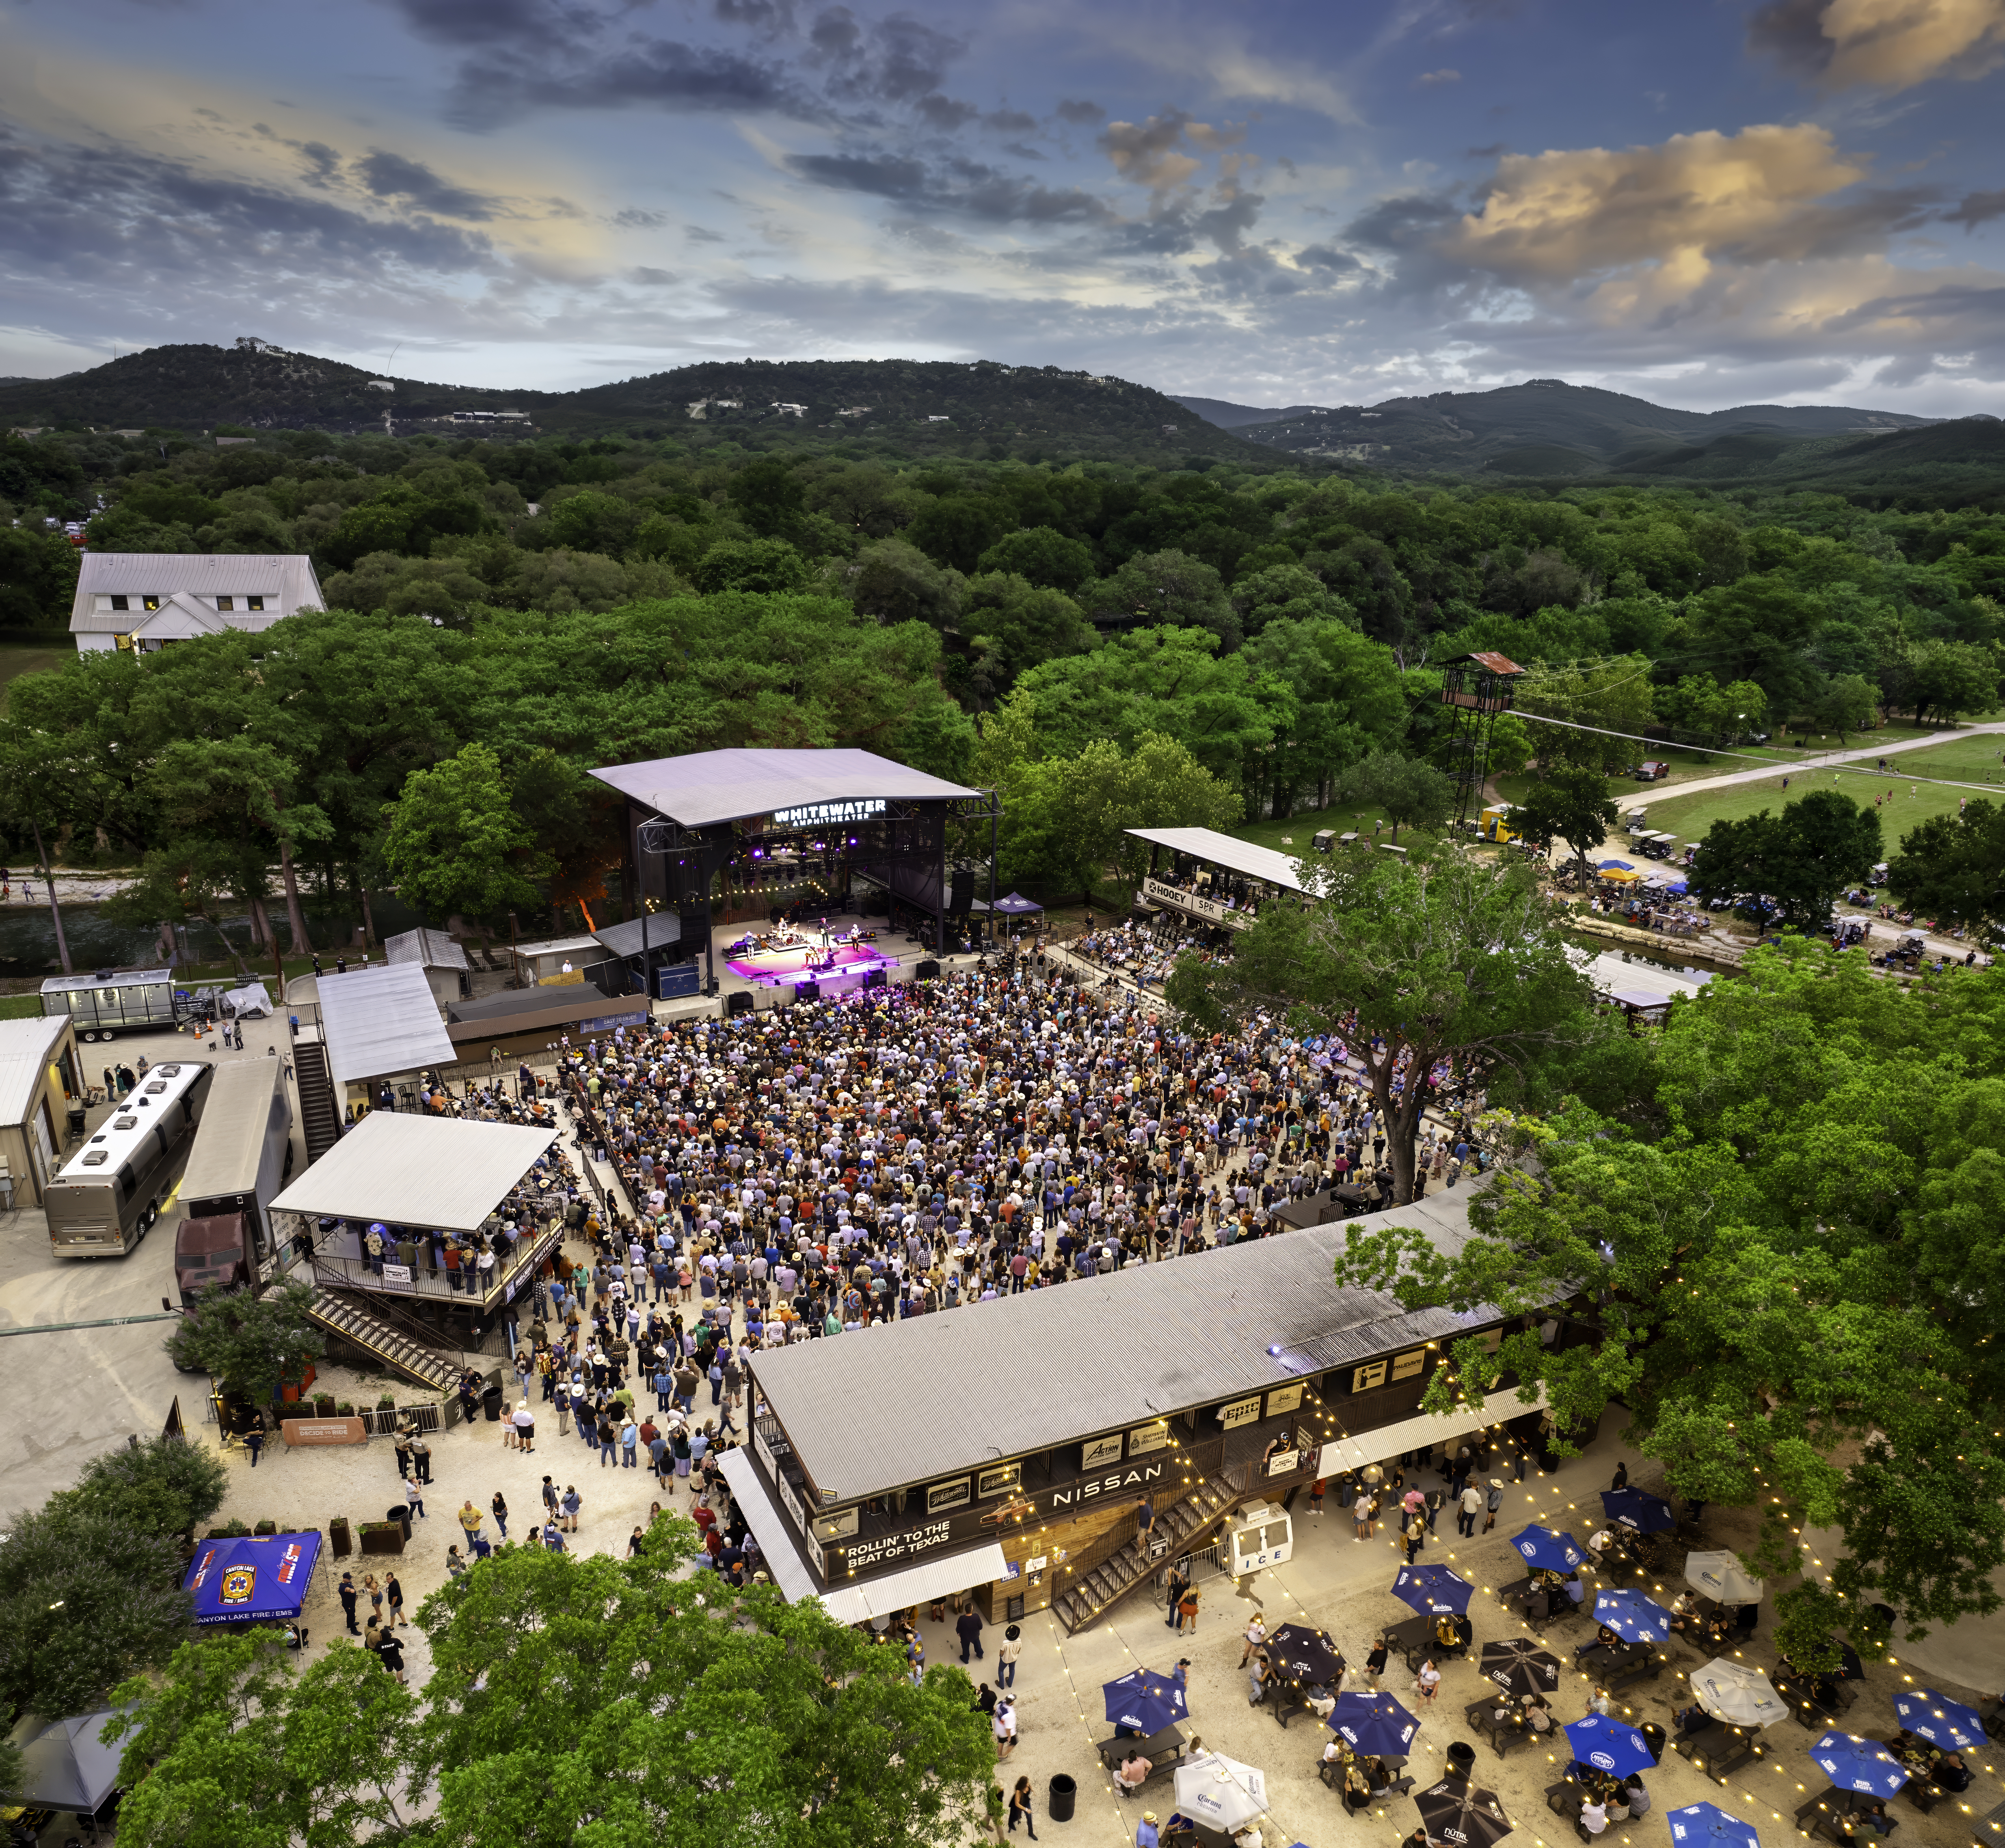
112 1001
242 1155
101 1203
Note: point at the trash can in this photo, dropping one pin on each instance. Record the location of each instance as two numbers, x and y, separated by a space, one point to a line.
402 1514
492 1400
1461 1758
1065 1794
339 1538
1653 1736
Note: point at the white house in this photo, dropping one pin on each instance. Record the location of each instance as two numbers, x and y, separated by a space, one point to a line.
144 600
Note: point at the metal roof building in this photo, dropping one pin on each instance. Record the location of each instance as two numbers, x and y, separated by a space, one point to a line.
709 786
1226 850
381 1021
440 1172
1141 1344
136 599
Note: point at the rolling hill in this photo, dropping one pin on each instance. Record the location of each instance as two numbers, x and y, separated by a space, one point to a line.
194 388
1545 427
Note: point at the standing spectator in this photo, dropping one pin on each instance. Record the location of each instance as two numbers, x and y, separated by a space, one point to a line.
1003 1725
1020 1807
1495 1502
1006 1653
501 1508
968 1627
1468 1504
1177 1579
414 1497
1256 1634
393 1593
348 1596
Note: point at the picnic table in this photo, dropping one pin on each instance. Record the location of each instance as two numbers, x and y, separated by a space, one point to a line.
1504 1735
1412 1639
1721 1749
1161 1749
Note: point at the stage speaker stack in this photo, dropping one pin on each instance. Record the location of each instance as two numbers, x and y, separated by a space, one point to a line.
928 971
961 894
875 978
738 1001
807 991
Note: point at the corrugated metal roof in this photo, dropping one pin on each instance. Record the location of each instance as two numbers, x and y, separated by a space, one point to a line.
429 949
440 1172
181 619
725 786
285 578
664 930
380 1021
1025 1373
236 1116
1225 850
25 1050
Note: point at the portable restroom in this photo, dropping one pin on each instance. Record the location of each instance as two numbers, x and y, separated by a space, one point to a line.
1497 823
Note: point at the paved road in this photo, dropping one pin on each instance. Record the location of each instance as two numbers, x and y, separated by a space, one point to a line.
1825 760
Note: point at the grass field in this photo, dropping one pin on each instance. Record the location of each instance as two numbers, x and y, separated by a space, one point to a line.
15 661
19 1007
1905 800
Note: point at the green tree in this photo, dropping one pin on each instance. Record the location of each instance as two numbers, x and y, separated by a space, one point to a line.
85 1598
1022 623
1845 702
691 1716
1801 859
1708 714
1045 557
1570 803
1287 594
1437 956
768 494
955 530
164 1486
899 583
37 781
1170 588
1790 1295
1345 700
766 565
228 1746
1412 792
252 1343
590 521
38 573
1951 868
454 841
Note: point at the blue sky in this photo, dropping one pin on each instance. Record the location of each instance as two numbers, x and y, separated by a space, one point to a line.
1709 203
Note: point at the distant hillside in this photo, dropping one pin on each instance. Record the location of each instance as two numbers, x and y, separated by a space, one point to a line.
1544 427
1232 417
195 387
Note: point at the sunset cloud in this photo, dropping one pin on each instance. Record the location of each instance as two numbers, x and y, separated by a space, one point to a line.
1889 44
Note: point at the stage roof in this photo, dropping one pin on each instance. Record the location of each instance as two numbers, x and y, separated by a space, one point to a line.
1216 849
443 1171
727 786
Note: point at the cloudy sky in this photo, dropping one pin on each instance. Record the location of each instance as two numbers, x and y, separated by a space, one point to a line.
1708 203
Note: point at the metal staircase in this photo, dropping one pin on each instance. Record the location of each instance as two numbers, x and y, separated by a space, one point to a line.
320 1115
1103 1586
388 1346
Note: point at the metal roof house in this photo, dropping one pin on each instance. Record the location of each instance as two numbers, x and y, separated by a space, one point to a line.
145 600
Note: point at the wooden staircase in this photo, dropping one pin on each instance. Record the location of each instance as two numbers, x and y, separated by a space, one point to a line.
1186 1524
389 1346
320 1115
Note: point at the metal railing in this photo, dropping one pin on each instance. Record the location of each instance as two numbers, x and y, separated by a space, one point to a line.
358 1274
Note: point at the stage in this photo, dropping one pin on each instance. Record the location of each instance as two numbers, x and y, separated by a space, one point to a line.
845 964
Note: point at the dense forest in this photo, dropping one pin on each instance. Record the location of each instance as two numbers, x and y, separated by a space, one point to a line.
1106 640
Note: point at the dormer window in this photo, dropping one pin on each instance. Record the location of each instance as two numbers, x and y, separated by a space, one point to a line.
121 602
225 603
149 603
254 602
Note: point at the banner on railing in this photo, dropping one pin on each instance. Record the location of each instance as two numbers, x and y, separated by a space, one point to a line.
1161 892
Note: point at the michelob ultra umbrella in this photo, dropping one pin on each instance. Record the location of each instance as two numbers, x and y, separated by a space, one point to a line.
1145 1701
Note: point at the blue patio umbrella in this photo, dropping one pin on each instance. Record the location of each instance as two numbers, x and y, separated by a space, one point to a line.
1541 1546
1632 1508
1857 1764
1707 1826
1939 1719
1633 1617
1373 1724
1144 1702
1610 1745
1432 1590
